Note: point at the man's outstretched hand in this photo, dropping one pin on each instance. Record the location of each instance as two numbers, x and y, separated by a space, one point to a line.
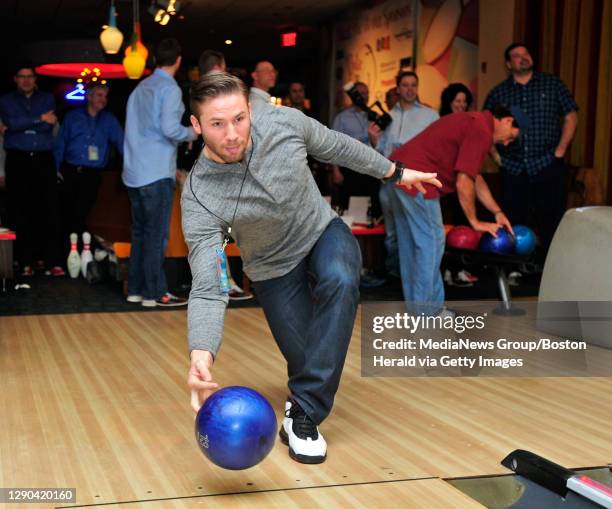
413 178
200 379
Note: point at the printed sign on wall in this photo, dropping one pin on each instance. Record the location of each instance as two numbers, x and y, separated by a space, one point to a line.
447 47
372 45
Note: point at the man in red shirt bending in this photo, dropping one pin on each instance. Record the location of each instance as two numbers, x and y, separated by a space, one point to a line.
455 147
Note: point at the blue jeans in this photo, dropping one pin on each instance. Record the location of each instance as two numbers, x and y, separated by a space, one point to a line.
311 312
151 206
420 235
386 204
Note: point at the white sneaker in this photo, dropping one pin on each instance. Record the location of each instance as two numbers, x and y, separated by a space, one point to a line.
301 434
134 298
446 313
514 278
237 293
286 421
448 277
148 303
467 277
236 289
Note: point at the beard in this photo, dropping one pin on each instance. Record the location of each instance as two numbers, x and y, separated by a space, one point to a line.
225 154
233 155
525 67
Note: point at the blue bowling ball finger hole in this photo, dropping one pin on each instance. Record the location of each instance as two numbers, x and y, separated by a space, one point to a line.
236 428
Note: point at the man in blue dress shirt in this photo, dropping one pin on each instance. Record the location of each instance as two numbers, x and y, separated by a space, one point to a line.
354 122
153 131
410 118
81 152
31 182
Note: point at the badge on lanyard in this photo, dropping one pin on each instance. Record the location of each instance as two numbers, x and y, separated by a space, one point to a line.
221 259
220 256
92 153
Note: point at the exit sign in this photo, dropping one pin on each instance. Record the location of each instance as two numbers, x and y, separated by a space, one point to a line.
288 39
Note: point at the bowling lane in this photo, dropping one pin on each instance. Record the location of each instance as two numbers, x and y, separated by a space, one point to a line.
99 402
425 494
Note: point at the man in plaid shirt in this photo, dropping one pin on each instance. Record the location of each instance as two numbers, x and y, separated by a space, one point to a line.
532 169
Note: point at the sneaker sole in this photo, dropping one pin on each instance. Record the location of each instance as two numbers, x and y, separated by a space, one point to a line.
300 458
244 297
171 304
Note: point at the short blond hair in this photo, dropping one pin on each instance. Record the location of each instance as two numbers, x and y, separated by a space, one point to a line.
215 84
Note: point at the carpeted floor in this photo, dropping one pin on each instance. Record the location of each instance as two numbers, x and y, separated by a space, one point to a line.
59 295
49 295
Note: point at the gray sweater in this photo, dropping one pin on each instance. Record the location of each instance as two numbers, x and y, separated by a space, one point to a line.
280 214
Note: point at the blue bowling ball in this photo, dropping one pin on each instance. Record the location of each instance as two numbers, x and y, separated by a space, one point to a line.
236 428
524 240
502 244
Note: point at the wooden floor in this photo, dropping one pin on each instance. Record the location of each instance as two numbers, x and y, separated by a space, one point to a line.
99 402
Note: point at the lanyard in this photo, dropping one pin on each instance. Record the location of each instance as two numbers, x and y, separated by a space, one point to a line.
227 235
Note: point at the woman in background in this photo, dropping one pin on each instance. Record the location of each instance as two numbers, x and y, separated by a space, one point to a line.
456 98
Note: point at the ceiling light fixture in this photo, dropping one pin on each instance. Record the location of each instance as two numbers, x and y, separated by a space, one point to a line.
111 37
134 61
163 10
141 49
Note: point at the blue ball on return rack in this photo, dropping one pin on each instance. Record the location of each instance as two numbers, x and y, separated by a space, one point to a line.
524 240
502 244
236 428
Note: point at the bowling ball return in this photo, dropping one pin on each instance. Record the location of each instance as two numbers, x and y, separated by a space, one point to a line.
501 264
538 483
545 480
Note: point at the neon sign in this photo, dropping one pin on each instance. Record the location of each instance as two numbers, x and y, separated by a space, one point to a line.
78 94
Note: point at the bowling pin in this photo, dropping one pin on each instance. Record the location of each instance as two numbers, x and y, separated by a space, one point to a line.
74 258
86 255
